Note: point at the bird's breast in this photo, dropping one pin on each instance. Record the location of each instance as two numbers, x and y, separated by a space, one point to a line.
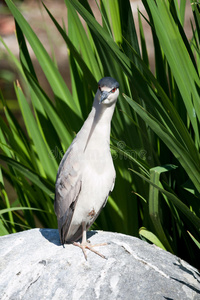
96 187
98 174
97 160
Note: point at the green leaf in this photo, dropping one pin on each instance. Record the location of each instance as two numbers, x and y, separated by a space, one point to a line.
114 10
151 237
154 203
194 240
3 230
7 210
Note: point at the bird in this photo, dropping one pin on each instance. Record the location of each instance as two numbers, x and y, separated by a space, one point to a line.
86 174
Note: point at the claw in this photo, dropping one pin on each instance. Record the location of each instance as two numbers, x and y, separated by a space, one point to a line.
86 245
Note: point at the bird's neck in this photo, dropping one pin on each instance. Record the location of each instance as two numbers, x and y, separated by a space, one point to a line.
102 113
97 124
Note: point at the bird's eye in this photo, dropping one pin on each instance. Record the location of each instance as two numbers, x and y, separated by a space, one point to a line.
113 90
99 87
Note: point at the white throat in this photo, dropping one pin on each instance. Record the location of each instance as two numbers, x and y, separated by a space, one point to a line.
100 121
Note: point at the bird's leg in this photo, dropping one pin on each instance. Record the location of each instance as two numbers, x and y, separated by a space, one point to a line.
86 245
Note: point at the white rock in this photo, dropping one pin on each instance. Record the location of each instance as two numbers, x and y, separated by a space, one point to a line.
33 265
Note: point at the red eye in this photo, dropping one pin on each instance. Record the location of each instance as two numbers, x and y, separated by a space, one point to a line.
99 87
113 90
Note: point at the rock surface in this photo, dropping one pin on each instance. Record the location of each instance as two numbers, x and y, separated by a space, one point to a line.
33 265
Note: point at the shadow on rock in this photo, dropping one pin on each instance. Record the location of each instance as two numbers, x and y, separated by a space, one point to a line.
52 235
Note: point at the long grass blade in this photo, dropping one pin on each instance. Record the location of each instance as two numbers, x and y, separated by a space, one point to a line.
191 166
177 202
55 79
175 50
38 180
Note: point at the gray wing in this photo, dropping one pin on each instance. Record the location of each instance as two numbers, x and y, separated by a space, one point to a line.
68 187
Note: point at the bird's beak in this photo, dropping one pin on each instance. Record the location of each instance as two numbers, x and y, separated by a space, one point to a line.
104 95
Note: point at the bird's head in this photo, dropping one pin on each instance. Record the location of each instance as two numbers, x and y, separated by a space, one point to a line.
108 90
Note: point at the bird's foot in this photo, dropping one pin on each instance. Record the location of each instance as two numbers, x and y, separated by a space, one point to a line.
87 245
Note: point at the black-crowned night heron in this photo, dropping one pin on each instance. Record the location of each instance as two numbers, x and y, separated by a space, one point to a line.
86 174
